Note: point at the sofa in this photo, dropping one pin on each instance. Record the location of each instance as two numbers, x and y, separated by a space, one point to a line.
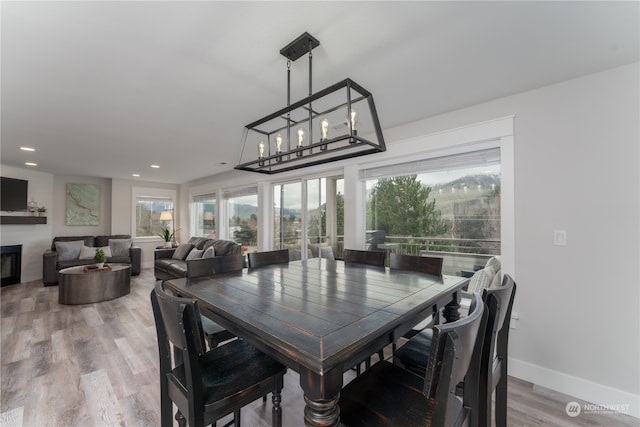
171 263
71 251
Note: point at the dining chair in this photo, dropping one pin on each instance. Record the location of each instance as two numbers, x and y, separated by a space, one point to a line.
354 256
495 359
259 259
214 334
207 385
389 395
421 264
492 370
364 257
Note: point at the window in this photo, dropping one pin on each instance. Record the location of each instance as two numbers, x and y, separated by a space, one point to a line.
308 211
288 217
445 206
241 216
149 205
203 216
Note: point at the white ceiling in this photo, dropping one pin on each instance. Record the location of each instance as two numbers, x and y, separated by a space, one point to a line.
105 89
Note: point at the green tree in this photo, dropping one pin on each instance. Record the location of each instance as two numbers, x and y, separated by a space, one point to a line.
400 206
246 235
340 213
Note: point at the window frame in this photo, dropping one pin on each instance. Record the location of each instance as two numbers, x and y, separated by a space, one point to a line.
330 176
496 133
160 194
193 199
223 210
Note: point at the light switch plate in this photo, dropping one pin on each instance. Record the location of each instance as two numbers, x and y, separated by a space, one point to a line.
560 237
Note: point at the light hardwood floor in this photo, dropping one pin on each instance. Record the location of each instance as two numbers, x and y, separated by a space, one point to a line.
96 365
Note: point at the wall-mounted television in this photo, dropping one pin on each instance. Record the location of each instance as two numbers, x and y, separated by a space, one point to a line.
13 194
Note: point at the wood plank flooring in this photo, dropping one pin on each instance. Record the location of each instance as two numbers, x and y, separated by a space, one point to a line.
97 365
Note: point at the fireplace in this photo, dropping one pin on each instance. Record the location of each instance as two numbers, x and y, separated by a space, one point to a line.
11 264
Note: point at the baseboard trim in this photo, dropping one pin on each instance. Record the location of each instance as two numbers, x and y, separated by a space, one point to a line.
573 386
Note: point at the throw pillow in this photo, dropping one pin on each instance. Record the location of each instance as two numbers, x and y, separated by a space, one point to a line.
194 254
209 252
120 247
68 251
480 280
182 251
495 263
88 252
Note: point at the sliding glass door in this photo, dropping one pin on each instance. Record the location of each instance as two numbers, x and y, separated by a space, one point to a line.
306 217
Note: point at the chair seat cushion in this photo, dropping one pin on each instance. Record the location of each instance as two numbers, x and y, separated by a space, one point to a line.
414 353
164 263
229 370
178 269
387 395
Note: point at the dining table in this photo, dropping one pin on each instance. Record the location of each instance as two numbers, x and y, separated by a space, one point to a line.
321 317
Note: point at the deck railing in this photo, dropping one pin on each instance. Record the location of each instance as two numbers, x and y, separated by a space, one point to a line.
460 255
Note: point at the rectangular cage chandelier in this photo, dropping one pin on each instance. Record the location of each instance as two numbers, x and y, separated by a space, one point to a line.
336 123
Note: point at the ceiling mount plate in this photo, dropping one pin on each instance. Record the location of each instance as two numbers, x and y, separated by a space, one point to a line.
300 46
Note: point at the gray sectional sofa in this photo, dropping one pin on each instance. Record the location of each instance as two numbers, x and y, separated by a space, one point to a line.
70 251
172 263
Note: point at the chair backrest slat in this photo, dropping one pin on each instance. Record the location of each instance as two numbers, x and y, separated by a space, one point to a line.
422 264
364 257
504 295
259 259
170 313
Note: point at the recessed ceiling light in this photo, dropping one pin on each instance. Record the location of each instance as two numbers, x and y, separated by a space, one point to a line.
223 163
135 174
31 164
155 166
27 149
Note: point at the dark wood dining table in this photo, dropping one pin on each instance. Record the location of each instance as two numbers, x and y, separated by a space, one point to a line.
321 317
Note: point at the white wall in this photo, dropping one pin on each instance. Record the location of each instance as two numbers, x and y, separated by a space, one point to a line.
576 169
34 238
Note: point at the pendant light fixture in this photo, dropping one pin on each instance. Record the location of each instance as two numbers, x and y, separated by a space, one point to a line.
338 122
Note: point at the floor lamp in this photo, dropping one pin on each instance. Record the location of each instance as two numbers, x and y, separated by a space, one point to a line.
168 216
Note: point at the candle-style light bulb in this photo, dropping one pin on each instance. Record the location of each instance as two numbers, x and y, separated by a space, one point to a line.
353 121
278 143
324 133
300 140
261 153
324 130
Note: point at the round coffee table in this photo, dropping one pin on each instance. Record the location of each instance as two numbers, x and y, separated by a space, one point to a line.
78 285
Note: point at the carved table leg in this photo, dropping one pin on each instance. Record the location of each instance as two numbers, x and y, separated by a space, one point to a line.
451 311
321 396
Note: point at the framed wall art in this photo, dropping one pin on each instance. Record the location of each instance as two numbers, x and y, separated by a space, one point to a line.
83 204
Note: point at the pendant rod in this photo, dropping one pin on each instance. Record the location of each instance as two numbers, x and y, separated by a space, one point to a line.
288 105
310 93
